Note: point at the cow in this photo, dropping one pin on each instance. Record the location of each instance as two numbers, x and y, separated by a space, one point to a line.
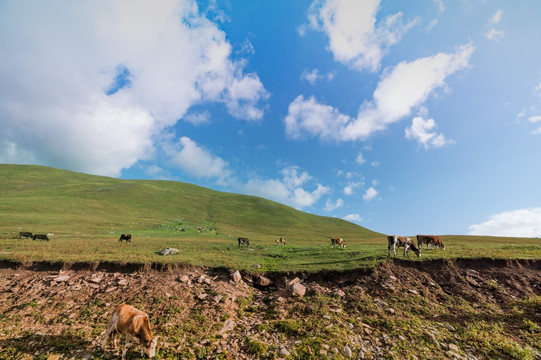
125 237
394 241
40 237
280 241
338 241
244 241
430 240
134 324
26 234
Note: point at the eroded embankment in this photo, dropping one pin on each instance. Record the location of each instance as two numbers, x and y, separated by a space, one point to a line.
471 309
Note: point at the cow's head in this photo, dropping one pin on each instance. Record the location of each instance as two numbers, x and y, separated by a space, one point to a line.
150 347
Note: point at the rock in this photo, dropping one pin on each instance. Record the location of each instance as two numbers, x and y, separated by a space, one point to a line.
391 311
283 352
61 279
202 296
297 289
236 276
217 299
339 293
123 282
413 291
168 251
450 327
228 326
294 281
95 279
184 278
54 356
453 347
347 352
263 281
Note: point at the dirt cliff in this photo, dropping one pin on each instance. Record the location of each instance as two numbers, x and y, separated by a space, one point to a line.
462 309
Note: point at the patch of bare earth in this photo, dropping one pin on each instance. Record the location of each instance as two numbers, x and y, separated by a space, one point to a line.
465 309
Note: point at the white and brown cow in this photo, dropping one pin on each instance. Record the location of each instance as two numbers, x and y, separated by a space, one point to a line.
430 241
394 241
135 326
338 241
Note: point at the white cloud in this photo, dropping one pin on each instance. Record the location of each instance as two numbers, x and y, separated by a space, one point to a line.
360 159
494 34
289 190
330 206
497 17
56 106
350 188
422 131
313 76
534 119
401 89
518 223
441 5
199 162
354 218
370 194
354 37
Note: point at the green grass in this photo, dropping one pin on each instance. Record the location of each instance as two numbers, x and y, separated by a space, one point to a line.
88 213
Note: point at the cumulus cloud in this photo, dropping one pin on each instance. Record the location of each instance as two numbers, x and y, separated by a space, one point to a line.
331 206
495 34
360 159
400 90
354 218
423 132
349 189
199 162
518 223
355 38
370 194
291 189
90 86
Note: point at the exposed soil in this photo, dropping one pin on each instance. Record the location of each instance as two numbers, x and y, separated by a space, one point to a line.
462 309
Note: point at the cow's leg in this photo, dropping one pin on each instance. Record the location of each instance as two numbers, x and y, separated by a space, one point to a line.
127 344
394 248
406 248
110 328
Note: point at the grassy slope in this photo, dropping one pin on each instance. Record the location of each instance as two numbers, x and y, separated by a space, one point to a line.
87 213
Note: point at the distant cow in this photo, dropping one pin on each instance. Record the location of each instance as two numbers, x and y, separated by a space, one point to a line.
430 241
25 234
280 241
244 241
338 241
125 237
40 237
134 324
394 241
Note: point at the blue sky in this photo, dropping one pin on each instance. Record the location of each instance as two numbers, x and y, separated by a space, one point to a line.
403 117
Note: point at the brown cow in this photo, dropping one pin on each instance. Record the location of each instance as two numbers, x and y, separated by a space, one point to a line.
134 324
280 241
430 240
338 241
244 241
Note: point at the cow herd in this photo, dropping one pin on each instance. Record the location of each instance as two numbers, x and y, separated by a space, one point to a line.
26 234
431 242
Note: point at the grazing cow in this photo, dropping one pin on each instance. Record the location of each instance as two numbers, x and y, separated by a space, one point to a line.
338 241
134 324
244 241
40 236
125 237
430 241
280 241
25 234
394 241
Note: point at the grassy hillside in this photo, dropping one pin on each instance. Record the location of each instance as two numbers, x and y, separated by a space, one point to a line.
88 213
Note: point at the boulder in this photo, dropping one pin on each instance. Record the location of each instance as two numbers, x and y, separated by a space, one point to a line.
297 289
168 251
236 276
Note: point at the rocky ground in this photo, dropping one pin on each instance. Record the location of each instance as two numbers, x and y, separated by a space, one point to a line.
463 309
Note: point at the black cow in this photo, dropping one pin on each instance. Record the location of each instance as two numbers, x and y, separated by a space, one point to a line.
125 237
244 241
26 234
40 237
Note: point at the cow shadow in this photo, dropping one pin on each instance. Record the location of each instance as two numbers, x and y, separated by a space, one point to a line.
39 345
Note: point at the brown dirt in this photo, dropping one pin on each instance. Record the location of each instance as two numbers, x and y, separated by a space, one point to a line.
52 308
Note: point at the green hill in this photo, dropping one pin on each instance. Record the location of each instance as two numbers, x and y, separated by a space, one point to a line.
75 206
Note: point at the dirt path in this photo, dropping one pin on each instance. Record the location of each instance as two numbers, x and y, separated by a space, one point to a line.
467 309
